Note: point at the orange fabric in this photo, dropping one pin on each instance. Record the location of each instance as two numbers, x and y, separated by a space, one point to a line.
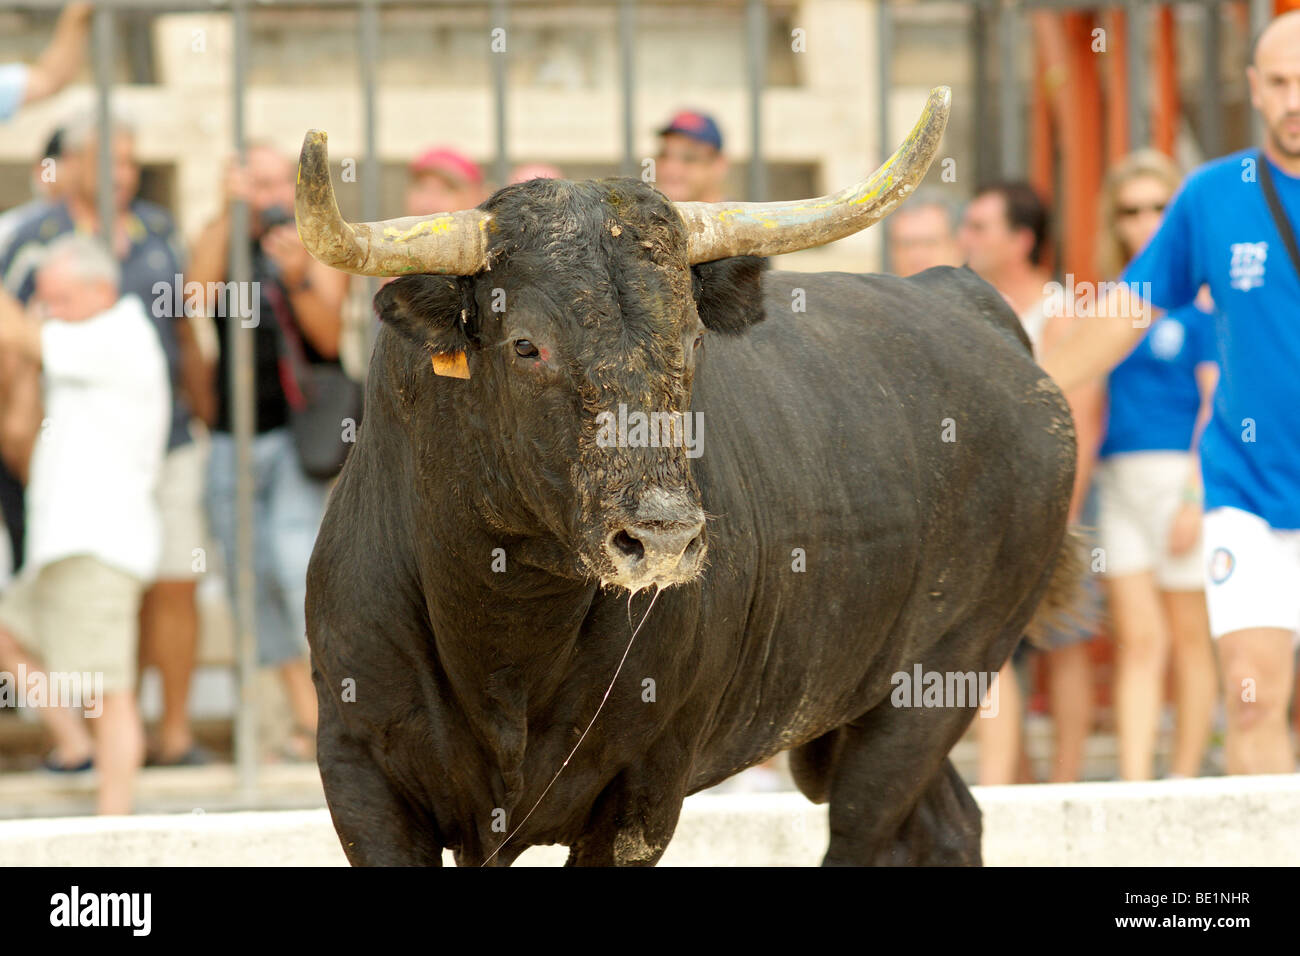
1165 105
1115 23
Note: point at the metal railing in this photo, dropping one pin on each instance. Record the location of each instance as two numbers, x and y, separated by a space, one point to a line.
1002 17
240 267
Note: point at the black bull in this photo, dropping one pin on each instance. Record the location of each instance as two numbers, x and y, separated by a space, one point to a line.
886 477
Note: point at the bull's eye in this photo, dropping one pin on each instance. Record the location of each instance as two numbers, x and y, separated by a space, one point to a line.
525 349
698 339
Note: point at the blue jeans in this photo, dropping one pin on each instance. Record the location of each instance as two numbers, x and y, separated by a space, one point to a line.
287 510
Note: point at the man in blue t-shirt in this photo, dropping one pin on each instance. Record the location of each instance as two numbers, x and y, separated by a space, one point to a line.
1220 232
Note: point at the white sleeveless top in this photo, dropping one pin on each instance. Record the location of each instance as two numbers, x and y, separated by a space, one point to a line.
1034 321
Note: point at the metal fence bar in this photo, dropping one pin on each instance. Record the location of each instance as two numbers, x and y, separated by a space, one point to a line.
102 31
1211 115
1135 58
1261 11
502 163
884 78
241 388
756 42
371 172
1011 133
981 108
627 59
368 55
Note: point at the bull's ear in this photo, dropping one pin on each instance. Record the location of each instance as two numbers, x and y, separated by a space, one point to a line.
435 312
729 293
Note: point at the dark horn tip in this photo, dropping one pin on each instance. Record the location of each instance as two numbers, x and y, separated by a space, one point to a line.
313 161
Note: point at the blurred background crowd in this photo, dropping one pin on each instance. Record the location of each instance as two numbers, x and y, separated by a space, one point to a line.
118 441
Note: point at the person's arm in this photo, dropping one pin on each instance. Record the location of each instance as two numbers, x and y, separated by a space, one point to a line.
1167 273
1186 525
208 256
20 412
63 57
198 376
1207 380
20 390
19 335
316 292
1087 403
1088 406
1206 372
1097 342
208 263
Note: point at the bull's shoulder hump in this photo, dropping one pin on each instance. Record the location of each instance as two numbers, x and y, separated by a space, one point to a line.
962 285
956 289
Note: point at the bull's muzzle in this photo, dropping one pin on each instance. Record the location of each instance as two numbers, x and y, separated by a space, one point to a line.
663 546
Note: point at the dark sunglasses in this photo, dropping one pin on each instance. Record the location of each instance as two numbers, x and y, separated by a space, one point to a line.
1126 212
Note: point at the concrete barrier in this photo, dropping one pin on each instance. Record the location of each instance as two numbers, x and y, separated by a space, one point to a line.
1217 821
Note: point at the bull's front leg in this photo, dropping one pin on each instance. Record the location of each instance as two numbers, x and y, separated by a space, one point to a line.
376 825
632 820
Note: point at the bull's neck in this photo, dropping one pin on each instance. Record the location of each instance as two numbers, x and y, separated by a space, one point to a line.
507 638
492 611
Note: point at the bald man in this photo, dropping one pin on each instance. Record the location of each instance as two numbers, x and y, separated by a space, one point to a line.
923 233
1232 227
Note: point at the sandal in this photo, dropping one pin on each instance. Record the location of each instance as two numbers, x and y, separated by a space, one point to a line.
196 756
53 765
299 748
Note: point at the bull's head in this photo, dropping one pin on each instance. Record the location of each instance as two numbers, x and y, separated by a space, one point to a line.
562 301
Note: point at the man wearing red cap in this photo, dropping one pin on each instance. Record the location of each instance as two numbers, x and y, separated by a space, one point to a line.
443 180
691 166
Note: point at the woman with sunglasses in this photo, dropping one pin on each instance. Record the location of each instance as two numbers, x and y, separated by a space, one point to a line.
1149 494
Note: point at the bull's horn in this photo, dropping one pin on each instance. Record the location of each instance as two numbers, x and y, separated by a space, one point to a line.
718 230
446 243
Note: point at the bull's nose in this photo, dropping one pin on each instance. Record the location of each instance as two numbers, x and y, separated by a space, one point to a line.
658 542
658 551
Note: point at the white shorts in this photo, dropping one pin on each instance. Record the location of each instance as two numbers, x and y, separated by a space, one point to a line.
1138 495
1252 573
180 501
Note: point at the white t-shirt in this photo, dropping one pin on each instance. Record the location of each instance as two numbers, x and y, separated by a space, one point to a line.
100 450
1034 321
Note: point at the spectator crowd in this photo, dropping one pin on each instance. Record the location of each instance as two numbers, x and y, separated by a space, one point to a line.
118 458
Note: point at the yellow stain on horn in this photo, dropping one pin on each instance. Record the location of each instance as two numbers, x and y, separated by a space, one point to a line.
431 227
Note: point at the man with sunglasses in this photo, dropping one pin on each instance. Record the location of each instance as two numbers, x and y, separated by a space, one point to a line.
1232 227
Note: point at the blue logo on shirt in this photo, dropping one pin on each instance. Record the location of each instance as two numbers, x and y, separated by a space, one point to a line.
1222 564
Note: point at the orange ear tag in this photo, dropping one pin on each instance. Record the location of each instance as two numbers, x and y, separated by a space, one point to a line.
451 364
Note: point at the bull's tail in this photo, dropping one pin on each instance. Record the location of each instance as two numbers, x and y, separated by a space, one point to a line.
1064 604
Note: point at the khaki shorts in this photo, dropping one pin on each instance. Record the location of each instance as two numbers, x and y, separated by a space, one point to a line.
77 615
180 502
1138 495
